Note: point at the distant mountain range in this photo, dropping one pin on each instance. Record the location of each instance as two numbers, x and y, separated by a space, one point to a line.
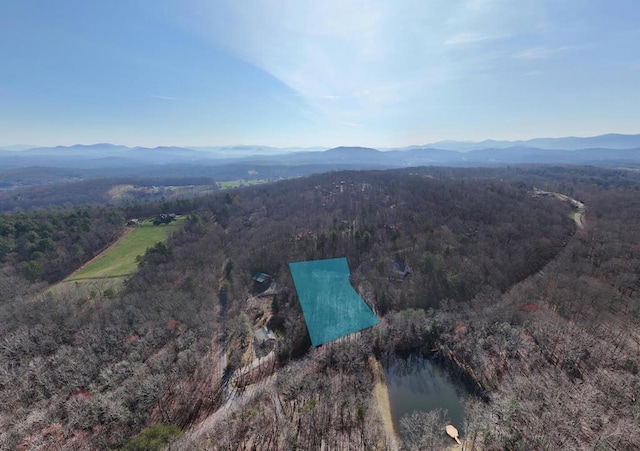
608 141
17 147
237 151
109 159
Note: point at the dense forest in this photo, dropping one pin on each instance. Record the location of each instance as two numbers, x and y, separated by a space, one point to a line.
465 264
99 191
44 245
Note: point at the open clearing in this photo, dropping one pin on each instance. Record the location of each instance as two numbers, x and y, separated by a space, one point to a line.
120 258
110 268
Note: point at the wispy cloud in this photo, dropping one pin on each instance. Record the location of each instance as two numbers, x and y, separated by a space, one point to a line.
320 45
364 61
535 53
471 38
351 124
172 99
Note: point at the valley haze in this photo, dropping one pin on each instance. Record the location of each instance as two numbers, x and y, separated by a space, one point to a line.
609 150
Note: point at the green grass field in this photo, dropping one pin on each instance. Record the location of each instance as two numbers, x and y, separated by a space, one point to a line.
120 258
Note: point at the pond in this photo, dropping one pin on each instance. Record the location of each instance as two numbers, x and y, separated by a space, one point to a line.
417 383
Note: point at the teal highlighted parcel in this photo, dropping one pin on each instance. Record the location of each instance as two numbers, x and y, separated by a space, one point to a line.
330 305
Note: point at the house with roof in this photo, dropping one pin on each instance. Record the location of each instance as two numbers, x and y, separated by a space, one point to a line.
402 269
261 282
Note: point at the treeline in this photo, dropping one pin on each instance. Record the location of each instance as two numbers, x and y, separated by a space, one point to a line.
95 191
47 245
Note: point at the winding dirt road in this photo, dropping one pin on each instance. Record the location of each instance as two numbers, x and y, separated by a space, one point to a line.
580 208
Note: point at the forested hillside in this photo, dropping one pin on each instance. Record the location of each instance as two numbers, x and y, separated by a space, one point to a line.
45 245
466 262
100 191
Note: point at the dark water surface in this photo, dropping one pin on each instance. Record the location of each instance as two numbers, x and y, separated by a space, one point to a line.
417 383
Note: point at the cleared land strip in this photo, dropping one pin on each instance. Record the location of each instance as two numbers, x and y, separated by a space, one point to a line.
119 259
101 255
111 267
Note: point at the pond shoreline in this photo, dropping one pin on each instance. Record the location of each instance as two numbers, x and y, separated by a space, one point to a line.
419 380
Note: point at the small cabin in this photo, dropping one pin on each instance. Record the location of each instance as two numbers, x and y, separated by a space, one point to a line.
261 282
402 269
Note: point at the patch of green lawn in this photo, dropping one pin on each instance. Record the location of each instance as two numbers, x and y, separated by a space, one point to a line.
120 258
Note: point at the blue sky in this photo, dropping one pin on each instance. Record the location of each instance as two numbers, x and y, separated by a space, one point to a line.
375 73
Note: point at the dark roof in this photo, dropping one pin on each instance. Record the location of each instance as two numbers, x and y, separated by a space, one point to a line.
261 277
402 268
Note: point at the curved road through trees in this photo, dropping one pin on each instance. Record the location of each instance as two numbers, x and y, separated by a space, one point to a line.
579 214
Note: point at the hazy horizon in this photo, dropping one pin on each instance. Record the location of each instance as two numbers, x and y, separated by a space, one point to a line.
311 147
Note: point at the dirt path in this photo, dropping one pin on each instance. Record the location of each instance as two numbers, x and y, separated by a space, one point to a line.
579 217
381 396
579 214
235 400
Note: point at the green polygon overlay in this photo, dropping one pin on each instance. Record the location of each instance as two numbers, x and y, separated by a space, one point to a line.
330 305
